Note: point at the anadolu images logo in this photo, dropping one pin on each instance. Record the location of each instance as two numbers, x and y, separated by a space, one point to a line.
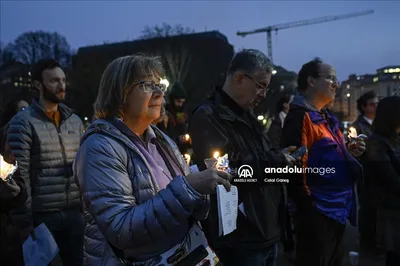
245 174
245 171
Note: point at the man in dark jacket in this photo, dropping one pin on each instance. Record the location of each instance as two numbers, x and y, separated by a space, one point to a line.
366 106
324 191
226 123
281 110
44 140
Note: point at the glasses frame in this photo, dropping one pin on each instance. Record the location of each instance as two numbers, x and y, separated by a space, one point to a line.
260 88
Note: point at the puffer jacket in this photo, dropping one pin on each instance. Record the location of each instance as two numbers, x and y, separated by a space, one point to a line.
45 155
124 209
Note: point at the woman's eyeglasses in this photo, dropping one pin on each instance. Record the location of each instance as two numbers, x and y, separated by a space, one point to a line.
150 87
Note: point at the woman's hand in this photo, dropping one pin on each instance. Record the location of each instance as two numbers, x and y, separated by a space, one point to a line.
206 181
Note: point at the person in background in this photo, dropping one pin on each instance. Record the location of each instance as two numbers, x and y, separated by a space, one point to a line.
324 199
366 106
281 110
44 140
139 198
177 117
11 109
382 162
226 123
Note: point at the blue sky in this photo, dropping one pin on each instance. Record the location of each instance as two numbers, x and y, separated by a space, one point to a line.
357 45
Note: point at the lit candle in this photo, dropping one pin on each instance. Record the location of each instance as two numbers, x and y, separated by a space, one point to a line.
6 169
216 155
352 133
187 137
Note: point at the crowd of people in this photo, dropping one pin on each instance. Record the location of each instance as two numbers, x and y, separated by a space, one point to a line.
120 192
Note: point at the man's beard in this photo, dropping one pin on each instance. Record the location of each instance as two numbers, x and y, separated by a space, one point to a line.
52 97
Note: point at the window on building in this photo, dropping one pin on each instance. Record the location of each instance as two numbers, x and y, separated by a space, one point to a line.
376 79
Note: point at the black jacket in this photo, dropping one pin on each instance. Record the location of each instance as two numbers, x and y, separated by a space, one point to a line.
362 126
220 124
12 195
275 132
382 166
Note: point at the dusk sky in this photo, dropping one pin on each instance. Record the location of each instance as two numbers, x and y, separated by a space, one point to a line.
356 45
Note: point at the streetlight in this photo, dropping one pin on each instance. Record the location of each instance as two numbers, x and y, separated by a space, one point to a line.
260 117
274 72
348 95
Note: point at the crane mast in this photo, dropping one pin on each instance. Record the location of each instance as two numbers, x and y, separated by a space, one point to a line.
299 23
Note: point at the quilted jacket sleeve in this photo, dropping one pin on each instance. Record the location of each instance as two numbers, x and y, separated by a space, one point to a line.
19 139
100 168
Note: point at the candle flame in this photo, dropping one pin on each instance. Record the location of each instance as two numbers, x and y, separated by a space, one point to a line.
216 155
187 137
352 133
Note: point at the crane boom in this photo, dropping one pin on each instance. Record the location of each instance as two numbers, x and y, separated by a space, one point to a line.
299 23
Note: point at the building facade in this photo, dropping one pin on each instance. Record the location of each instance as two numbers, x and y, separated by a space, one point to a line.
199 61
385 82
15 83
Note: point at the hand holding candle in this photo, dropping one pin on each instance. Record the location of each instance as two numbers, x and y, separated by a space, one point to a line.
6 169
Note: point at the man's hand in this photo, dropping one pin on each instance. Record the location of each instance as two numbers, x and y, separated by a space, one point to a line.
287 151
358 148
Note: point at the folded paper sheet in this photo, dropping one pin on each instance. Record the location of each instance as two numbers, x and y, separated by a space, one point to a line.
227 209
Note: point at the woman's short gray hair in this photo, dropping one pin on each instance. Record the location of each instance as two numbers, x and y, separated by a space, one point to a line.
117 80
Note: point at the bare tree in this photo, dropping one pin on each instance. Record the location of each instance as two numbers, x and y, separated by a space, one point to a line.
6 55
30 47
177 61
164 30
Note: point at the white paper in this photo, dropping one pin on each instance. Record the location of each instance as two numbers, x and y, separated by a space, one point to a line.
227 209
241 208
42 250
194 168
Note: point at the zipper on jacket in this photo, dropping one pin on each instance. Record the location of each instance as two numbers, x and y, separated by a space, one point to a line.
64 155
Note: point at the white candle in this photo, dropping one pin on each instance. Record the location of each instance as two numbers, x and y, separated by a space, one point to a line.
187 158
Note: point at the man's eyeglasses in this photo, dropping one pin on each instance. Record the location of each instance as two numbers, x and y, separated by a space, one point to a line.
261 88
332 79
150 87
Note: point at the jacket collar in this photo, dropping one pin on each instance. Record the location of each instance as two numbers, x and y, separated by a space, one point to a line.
65 111
107 128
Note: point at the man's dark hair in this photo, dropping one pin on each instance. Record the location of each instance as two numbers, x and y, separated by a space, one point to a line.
42 65
279 104
250 61
363 100
310 69
387 118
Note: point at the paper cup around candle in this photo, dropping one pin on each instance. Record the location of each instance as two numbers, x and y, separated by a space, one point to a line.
211 162
6 169
354 257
